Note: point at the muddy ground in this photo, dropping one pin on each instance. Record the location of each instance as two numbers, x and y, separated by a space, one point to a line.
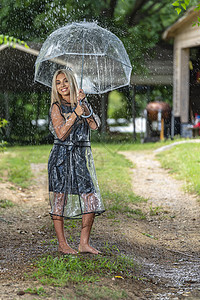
165 245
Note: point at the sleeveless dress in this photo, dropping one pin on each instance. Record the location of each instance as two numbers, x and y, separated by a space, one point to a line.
73 185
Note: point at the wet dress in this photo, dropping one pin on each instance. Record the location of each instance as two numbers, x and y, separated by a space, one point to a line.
73 185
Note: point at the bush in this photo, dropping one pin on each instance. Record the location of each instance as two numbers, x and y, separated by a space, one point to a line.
3 123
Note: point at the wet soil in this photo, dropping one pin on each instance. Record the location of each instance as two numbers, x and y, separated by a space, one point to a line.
165 245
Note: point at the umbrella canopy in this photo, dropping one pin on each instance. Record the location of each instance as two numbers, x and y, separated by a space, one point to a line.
96 56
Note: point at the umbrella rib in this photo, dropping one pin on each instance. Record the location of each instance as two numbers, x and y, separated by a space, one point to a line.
97 68
92 54
129 66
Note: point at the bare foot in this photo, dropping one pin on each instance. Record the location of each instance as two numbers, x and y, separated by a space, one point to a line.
66 249
87 249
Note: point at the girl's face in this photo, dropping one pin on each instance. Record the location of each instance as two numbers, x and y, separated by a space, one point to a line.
62 85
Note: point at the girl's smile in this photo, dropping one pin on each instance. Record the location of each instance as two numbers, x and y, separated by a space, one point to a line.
62 85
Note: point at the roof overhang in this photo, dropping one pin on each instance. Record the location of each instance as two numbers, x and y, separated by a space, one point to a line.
21 48
17 64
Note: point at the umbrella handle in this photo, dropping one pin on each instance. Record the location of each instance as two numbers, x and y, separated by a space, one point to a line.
85 117
91 112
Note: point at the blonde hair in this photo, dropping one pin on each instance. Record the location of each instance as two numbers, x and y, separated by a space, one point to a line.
55 96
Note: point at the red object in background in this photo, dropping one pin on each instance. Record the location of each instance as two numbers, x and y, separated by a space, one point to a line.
197 121
198 77
197 125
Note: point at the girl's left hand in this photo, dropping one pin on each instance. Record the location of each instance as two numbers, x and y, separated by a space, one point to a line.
81 95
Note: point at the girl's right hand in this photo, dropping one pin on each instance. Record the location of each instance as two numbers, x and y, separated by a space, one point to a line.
79 109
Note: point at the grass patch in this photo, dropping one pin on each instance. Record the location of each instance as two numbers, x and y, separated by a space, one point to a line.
6 203
17 160
78 269
36 291
183 161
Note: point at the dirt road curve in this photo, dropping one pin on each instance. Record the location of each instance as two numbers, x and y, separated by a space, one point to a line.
173 223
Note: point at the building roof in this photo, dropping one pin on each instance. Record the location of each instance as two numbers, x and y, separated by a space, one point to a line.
159 67
17 68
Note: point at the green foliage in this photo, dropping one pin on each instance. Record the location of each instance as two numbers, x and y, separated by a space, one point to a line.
3 144
11 41
3 123
35 291
6 203
198 18
24 108
181 5
139 29
118 106
33 20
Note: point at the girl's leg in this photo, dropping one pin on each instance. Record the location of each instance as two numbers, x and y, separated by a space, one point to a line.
84 246
59 203
59 228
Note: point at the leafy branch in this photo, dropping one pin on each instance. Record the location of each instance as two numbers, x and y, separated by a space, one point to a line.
198 19
3 144
12 41
181 4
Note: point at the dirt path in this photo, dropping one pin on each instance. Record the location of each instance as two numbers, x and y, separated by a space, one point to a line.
172 226
166 244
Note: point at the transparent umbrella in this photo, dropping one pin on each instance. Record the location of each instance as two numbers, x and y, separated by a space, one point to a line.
96 56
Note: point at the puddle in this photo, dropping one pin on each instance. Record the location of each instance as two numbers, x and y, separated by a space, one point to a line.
182 276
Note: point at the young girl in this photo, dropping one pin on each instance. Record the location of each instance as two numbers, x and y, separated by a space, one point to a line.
73 186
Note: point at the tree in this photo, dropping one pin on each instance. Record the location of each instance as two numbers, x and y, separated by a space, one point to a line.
138 23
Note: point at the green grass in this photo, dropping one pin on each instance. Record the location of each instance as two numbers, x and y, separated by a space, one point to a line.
183 161
35 291
6 203
16 163
78 269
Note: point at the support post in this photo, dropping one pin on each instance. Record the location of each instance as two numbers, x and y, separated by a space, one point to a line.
103 114
38 109
133 112
181 83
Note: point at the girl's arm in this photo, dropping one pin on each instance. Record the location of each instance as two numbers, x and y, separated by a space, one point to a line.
61 125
